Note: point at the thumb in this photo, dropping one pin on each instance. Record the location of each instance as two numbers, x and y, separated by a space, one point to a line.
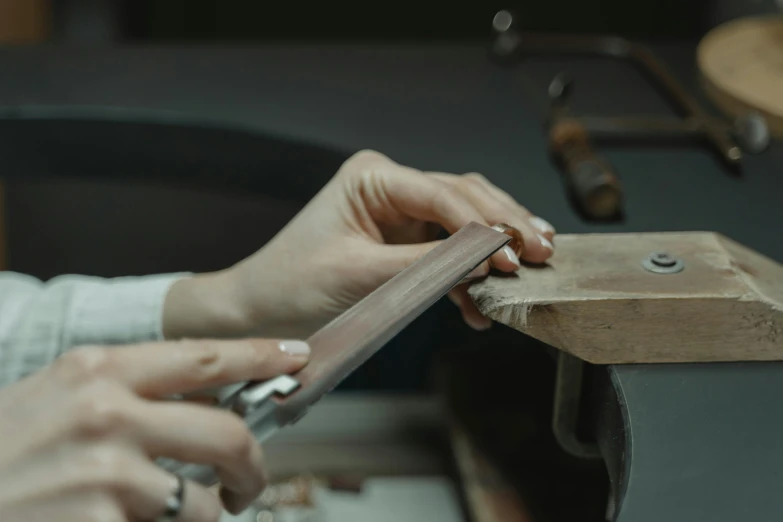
396 258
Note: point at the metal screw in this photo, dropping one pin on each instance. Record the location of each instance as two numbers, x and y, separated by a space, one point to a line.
662 263
662 259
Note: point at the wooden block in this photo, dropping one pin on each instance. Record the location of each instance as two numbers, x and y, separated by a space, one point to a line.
595 300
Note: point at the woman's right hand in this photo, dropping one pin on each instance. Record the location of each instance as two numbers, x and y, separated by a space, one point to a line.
78 439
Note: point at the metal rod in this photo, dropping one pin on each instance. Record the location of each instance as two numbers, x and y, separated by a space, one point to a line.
565 415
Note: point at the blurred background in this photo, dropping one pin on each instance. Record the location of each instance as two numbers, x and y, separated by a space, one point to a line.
196 58
277 66
249 107
200 21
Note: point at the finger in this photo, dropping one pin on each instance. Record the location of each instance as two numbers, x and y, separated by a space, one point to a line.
543 226
209 436
103 477
65 487
73 506
203 400
428 199
420 197
538 247
537 233
392 259
503 197
199 504
386 184
214 395
178 367
146 489
470 313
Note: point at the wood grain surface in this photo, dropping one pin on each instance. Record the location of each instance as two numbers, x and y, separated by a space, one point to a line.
596 301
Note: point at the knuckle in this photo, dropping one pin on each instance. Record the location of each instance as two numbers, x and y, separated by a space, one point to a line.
476 181
369 155
446 197
100 412
106 468
84 363
475 177
363 161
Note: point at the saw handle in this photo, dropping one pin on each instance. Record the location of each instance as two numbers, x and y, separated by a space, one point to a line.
590 180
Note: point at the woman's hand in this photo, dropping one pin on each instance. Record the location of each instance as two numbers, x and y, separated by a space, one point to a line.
78 439
372 220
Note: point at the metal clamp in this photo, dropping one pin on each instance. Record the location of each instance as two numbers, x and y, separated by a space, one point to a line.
254 403
565 415
253 397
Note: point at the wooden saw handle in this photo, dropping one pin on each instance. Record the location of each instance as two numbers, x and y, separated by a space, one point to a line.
590 180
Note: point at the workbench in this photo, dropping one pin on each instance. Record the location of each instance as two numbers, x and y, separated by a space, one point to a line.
703 442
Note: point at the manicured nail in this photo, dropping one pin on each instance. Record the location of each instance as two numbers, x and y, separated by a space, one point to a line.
545 242
299 348
511 255
542 225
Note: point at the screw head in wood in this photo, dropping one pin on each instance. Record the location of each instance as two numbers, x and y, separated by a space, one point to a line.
663 263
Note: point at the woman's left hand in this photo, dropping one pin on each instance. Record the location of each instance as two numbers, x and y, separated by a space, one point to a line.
373 219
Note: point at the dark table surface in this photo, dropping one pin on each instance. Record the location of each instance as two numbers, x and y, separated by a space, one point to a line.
705 439
441 107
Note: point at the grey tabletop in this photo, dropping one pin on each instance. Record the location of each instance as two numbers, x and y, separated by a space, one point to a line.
697 432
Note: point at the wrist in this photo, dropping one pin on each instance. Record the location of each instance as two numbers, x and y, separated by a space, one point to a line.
205 306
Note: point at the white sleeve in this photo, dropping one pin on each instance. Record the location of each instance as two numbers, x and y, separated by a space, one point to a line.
39 321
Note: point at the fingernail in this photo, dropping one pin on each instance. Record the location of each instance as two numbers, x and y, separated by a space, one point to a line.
511 255
299 348
545 242
542 225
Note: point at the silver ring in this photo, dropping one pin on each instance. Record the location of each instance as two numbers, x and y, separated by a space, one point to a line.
174 501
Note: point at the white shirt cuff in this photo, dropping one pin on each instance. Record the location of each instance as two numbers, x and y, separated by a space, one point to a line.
119 310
